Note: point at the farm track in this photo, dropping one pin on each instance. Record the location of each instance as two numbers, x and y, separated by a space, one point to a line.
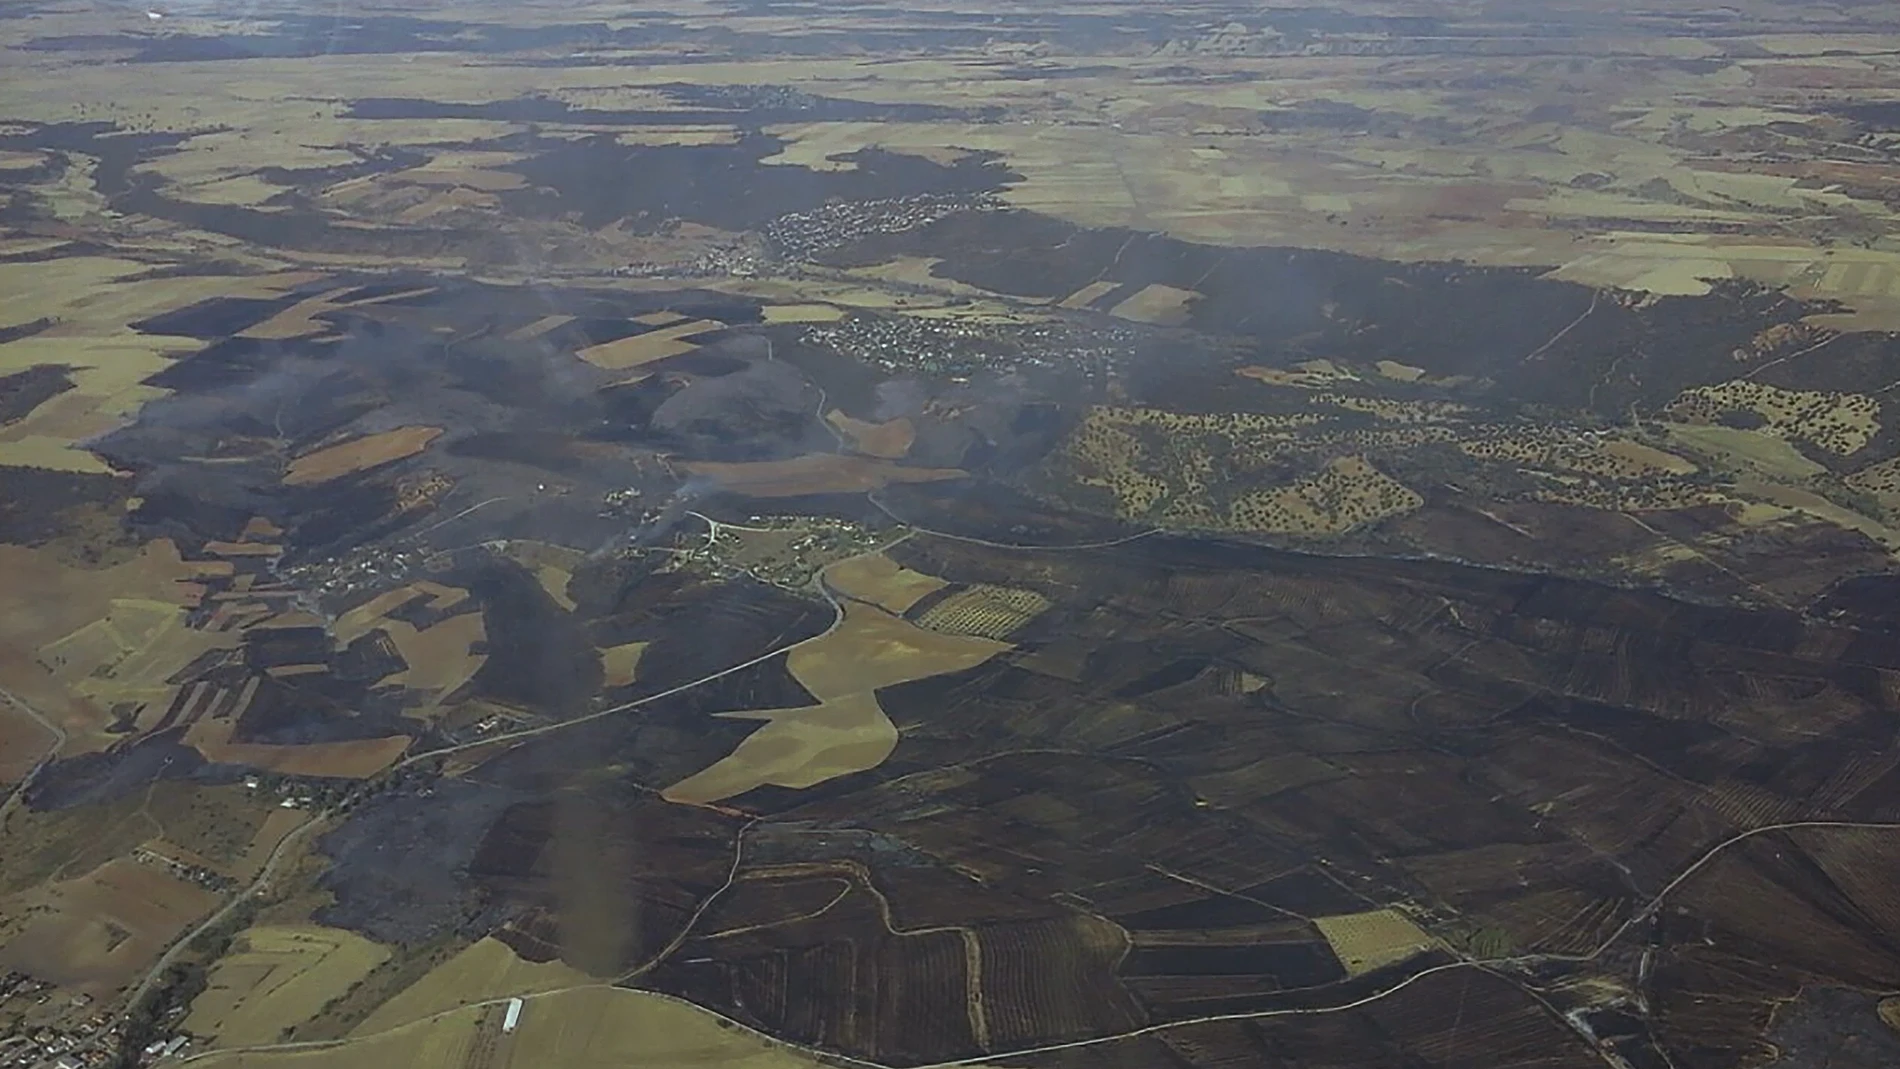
821 1056
59 743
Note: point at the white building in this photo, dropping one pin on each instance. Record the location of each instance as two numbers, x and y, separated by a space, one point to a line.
513 1017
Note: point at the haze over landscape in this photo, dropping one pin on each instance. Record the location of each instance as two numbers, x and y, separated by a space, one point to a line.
833 533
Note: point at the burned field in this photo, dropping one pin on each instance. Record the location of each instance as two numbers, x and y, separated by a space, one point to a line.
1217 781
1222 702
857 553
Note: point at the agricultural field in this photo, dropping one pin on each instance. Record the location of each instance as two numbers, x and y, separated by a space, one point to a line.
594 1028
1104 535
276 978
358 454
93 933
847 731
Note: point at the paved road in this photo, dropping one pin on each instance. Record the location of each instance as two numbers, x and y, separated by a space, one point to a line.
263 880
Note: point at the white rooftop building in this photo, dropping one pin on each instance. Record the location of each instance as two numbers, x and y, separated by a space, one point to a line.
513 1017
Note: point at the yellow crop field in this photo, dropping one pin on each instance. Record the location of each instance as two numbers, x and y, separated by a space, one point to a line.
1364 942
620 665
641 349
595 1027
552 565
276 977
356 759
1166 305
880 581
485 970
440 657
1088 294
43 603
796 748
872 649
437 1043
889 440
607 1028
359 454
802 313
847 731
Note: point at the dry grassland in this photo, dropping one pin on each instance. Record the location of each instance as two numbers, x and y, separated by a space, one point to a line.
485 970
889 440
359 454
438 1043
216 823
22 741
1392 369
847 731
1648 458
795 748
553 566
920 283
605 1028
469 170
93 299
441 657
102 929
99 633
871 649
539 327
642 349
1748 450
881 581
1159 304
127 655
19 161
1807 501
1364 942
276 826
803 313
620 665
357 759
277 977
51 454
1089 294
300 319
1841 423
1191 157
592 1027
818 473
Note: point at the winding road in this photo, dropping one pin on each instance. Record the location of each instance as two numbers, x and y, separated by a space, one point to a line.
818 1055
